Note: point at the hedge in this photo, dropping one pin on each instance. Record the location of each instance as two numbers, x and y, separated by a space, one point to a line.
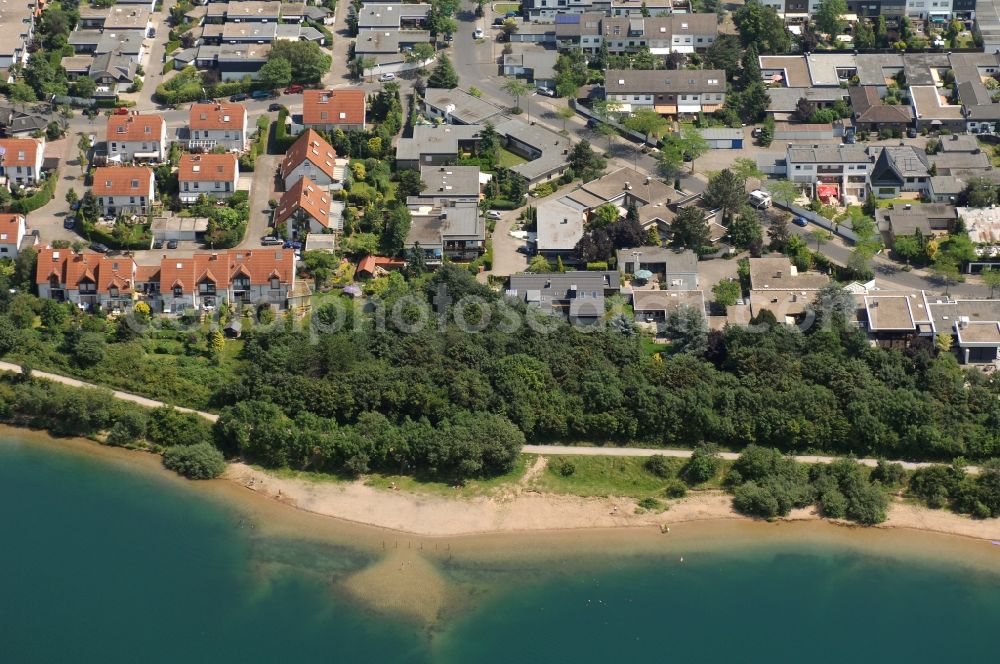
282 140
501 204
38 199
104 237
598 265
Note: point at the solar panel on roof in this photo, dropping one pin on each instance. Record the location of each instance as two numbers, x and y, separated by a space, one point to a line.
567 18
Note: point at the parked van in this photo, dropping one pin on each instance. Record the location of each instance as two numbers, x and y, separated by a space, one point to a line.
760 199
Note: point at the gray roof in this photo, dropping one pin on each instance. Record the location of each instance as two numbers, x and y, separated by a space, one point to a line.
918 66
874 69
560 226
450 181
664 301
541 63
129 42
439 225
587 23
785 100
827 154
577 293
909 162
435 139
829 68
656 81
920 217
120 67
959 143
946 185
553 147
387 15
950 161
388 40
677 261
465 108
721 133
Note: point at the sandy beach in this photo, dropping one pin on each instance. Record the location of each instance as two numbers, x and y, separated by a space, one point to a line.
525 510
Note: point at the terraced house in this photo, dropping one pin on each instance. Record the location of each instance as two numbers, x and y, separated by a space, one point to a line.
669 92
123 189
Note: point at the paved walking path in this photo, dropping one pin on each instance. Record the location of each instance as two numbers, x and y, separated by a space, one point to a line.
527 449
118 394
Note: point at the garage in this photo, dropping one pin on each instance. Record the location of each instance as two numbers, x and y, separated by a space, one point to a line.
723 138
188 229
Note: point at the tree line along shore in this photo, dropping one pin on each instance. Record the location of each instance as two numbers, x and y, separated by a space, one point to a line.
343 392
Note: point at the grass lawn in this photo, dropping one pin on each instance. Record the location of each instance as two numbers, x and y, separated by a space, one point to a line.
651 348
604 476
470 489
990 150
896 202
509 159
504 7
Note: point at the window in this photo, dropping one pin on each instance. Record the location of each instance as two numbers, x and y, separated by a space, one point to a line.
135 184
131 200
113 291
178 291
275 283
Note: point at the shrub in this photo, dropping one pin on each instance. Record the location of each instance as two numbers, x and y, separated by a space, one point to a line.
675 489
889 474
658 465
703 465
833 505
566 468
755 500
597 265
651 504
195 462
501 204
38 199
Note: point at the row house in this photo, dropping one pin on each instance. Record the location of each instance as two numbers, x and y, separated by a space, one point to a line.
133 137
86 279
312 157
237 277
123 190
553 9
16 32
21 160
214 175
218 123
674 33
247 11
669 92
329 110
173 285
233 61
115 18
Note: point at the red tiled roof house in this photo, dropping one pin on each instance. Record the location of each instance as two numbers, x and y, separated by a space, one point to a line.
311 157
306 206
123 190
132 137
12 231
214 175
215 124
21 160
334 109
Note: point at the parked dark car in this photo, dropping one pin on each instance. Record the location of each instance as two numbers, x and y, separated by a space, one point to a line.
260 94
270 241
158 244
207 101
498 22
69 223
756 132
801 221
239 97
292 244
274 108
99 248
511 15
172 244
911 133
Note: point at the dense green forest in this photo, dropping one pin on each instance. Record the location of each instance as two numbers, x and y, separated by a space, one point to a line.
443 400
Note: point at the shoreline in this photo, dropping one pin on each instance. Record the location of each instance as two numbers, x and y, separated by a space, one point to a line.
371 514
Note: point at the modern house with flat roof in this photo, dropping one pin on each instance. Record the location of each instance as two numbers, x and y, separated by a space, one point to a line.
654 305
677 269
974 325
455 232
777 286
456 106
436 145
559 228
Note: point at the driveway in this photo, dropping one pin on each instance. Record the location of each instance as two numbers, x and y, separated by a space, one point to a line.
506 258
48 220
261 190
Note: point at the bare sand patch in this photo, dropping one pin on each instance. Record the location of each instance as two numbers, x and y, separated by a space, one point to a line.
404 583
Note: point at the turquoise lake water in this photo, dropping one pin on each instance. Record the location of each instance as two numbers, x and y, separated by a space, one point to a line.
104 564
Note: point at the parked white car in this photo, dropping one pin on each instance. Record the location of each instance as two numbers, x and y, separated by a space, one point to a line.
493 214
478 34
385 78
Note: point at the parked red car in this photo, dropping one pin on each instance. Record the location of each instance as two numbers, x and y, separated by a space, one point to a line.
294 89
121 111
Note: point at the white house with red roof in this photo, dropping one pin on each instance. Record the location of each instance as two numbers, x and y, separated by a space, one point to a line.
123 189
21 160
132 137
219 123
214 175
309 207
174 285
12 232
334 109
312 157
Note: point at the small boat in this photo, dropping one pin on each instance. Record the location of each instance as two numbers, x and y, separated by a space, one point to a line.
995 542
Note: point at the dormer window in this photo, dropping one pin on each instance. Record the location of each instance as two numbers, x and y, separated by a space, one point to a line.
135 184
178 291
113 291
275 283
